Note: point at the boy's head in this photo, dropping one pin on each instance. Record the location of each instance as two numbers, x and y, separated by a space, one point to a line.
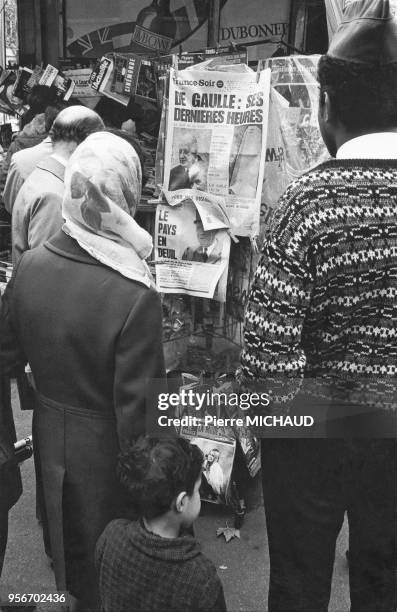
161 476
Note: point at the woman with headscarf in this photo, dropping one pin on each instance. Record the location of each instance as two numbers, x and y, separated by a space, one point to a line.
89 320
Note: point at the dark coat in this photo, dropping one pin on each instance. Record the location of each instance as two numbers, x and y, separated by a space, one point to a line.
93 339
10 478
179 178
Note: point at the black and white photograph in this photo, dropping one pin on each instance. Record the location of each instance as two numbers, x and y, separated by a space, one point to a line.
198 306
189 163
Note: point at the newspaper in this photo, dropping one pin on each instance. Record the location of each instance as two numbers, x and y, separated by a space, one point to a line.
192 246
187 59
276 175
294 77
216 138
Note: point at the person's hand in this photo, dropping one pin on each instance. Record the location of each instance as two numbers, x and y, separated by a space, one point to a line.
30 377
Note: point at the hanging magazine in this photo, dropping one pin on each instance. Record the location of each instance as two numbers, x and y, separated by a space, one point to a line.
9 103
218 449
121 76
50 77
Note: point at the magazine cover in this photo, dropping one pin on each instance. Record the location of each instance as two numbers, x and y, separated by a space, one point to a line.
48 76
218 447
122 76
9 103
21 88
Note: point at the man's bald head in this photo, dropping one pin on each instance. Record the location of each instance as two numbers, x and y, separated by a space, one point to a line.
74 124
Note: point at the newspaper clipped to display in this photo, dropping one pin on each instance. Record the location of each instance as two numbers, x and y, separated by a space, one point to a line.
276 175
192 246
294 77
294 143
216 139
187 59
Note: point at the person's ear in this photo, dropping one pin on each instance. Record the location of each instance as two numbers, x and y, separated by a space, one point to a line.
181 500
326 108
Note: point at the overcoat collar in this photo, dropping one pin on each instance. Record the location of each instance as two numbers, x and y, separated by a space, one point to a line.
64 245
53 166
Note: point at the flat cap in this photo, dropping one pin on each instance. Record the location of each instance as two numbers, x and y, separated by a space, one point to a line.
367 34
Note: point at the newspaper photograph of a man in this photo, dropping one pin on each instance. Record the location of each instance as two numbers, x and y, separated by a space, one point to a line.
187 147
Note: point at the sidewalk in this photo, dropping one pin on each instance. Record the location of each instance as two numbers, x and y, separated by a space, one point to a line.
243 565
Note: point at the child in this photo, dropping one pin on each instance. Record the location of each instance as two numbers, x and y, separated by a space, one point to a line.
149 566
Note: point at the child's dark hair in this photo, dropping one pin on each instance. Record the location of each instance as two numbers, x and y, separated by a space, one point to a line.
154 471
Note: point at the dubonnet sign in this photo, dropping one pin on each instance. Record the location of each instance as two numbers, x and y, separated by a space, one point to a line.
95 28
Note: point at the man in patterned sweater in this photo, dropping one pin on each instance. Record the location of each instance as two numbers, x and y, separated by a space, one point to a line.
323 306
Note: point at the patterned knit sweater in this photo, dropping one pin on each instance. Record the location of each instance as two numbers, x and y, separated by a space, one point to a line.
324 296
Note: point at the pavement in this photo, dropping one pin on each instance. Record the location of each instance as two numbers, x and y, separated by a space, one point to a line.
242 564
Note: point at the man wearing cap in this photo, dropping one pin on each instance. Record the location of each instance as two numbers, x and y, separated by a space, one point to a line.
323 310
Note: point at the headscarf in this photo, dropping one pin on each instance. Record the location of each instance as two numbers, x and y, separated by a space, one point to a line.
102 191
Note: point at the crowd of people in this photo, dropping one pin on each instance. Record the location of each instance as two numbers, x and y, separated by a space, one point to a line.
117 505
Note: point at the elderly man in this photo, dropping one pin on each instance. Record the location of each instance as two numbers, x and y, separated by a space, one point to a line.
323 306
37 214
179 175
